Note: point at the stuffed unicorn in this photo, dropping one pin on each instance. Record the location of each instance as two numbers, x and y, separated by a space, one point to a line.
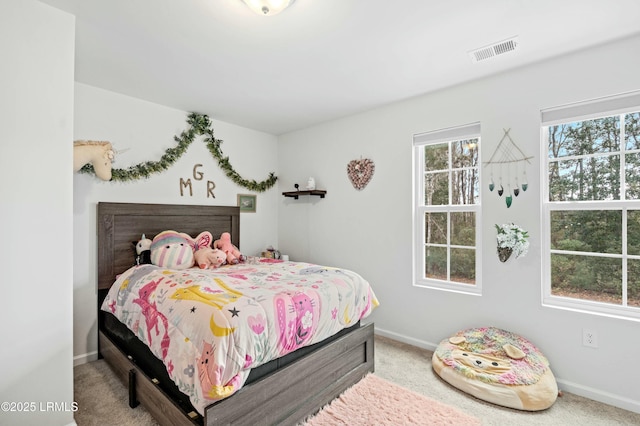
99 154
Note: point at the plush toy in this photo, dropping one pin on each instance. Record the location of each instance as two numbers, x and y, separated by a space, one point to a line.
497 366
233 254
210 258
203 240
176 250
171 249
99 154
143 251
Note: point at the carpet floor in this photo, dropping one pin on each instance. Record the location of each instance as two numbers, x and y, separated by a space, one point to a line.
375 401
102 399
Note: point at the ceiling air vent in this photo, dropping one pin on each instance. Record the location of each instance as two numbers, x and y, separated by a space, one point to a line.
494 50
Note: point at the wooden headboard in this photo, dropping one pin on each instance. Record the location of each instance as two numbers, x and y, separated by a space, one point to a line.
120 224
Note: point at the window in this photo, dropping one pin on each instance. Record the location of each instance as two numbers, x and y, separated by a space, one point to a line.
447 208
591 208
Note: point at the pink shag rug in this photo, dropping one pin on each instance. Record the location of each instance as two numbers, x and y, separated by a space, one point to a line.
375 401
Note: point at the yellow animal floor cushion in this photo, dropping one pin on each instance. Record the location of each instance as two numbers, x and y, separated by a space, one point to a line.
497 366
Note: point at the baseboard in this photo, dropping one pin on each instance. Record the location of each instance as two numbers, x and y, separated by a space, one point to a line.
85 358
564 385
600 396
406 339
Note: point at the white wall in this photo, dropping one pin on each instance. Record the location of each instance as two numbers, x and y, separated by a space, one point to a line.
36 110
145 130
371 231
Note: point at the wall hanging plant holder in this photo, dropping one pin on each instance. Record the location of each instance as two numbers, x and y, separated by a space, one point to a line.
504 253
509 162
511 239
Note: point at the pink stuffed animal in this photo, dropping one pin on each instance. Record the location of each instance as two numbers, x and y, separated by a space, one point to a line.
210 258
233 254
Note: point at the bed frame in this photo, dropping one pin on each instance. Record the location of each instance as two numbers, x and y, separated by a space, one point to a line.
285 396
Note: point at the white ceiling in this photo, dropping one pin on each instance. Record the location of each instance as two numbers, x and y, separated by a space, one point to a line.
320 59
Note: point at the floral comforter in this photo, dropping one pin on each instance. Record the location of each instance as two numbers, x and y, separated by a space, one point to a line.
210 327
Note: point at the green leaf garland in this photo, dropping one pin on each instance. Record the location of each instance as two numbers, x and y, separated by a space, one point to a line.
199 124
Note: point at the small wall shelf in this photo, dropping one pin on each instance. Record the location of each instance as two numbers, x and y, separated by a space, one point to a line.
295 194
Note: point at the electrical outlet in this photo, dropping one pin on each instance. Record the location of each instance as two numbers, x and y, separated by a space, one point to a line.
589 338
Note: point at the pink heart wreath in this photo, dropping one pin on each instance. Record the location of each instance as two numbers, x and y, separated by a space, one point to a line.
360 172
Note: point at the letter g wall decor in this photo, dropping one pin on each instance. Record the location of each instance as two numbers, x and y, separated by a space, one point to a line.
199 124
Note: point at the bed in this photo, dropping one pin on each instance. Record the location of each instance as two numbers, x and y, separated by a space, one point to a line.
284 390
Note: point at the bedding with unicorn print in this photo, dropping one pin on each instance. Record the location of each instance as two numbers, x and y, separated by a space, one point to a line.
210 327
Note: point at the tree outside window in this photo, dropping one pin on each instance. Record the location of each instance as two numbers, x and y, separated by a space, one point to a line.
447 210
592 212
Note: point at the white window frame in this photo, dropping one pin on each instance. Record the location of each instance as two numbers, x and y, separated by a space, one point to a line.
468 131
583 111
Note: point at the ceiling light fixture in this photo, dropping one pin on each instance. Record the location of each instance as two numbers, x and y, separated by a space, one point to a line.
268 7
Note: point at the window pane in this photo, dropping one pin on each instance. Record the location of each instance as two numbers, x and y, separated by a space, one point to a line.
632 130
464 153
596 231
632 176
586 277
463 265
584 170
585 137
592 178
463 229
436 228
436 189
633 232
436 157
436 262
464 188
450 177
633 283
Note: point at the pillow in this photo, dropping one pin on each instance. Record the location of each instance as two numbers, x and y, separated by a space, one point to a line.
497 366
176 250
173 250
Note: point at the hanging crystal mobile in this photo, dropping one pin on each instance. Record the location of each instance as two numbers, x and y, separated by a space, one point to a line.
509 199
491 184
516 188
508 154
525 184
